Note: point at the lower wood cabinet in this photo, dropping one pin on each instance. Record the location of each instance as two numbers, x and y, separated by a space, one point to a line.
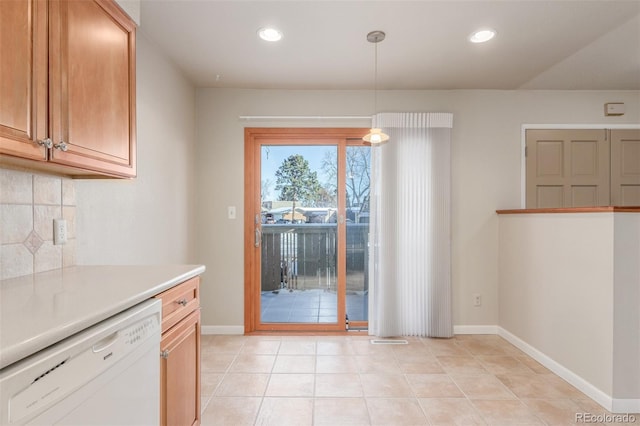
180 355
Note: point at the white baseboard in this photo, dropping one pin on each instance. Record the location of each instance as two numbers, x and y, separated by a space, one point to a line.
222 329
475 329
581 384
626 406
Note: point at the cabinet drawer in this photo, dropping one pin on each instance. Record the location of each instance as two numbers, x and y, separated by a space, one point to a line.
179 302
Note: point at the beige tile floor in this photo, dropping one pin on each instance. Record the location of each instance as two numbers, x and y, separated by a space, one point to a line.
345 380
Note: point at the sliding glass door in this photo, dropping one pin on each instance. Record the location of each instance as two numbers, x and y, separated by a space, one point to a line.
299 222
306 222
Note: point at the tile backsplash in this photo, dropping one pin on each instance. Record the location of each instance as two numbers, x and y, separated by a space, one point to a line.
29 203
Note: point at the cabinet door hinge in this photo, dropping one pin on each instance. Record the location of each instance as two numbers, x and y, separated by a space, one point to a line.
164 354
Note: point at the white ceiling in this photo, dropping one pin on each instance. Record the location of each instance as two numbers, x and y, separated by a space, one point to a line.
561 44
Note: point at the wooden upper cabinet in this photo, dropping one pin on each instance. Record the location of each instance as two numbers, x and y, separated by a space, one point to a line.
23 78
92 86
68 77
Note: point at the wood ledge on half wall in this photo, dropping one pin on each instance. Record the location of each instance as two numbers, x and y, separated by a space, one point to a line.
603 209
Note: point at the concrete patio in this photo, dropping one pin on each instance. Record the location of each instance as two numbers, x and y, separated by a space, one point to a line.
310 306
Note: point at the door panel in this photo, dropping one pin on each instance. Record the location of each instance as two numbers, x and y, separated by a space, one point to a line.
92 57
567 168
180 373
357 178
549 196
300 256
550 159
584 196
23 78
625 170
299 234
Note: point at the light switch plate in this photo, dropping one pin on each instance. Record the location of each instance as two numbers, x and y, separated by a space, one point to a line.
231 212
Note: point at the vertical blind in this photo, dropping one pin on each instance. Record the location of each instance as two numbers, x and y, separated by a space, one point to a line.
410 237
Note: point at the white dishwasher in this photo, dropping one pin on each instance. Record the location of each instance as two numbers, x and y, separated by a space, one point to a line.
108 374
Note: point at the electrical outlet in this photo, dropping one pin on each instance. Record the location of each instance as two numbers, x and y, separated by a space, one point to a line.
477 300
59 231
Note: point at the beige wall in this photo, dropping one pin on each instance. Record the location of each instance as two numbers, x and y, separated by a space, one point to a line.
486 171
183 132
626 327
149 219
556 289
570 289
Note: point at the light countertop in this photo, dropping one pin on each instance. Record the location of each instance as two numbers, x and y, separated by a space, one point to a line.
41 309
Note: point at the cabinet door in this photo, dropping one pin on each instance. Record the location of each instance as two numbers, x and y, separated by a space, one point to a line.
567 168
23 78
92 86
180 373
625 167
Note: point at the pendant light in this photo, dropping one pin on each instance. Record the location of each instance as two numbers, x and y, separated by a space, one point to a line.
375 136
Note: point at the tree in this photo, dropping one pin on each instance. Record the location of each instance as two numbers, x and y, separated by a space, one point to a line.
327 196
296 182
265 189
358 180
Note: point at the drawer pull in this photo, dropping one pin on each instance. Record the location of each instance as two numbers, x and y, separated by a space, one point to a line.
182 302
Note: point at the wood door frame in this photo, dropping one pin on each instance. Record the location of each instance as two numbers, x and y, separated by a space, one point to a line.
253 139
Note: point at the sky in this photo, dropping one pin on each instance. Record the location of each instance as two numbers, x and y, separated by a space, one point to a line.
274 155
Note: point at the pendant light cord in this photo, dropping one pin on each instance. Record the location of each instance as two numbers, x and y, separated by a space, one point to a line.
375 135
375 79
375 37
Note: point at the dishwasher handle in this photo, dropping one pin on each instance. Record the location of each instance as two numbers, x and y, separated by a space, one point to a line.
105 343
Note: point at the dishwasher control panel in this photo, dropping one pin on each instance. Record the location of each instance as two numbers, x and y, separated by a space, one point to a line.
141 331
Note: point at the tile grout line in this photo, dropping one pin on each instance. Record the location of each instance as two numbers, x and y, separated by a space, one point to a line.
33 218
531 412
264 392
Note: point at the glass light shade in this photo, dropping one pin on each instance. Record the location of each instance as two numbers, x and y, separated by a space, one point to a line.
482 36
269 34
375 136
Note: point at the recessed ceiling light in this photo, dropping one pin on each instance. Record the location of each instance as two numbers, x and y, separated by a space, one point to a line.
483 35
269 34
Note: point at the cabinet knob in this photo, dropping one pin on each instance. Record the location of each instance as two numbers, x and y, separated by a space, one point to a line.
62 146
182 302
47 143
